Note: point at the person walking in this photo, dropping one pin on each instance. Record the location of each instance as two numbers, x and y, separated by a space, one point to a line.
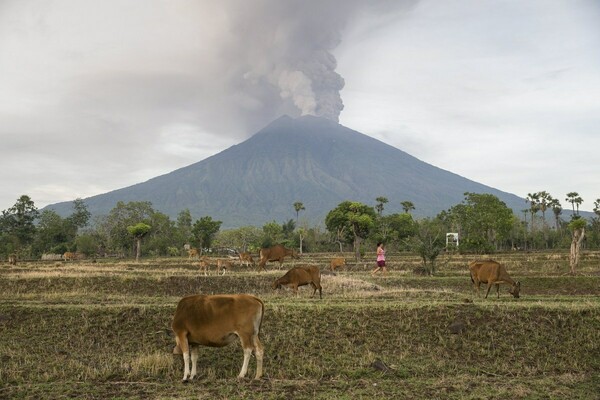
380 259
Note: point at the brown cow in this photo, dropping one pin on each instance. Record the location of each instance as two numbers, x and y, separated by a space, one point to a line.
215 321
221 264
12 259
337 263
246 259
224 265
492 273
204 265
300 276
275 253
69 256
192 253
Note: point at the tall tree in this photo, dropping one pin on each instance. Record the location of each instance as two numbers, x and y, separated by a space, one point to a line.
534 206
298 206
407 206
184 226
556 207
81 215
17 223
544 201
484 221
138 231
204 231
575 200
354 218
120 217
53 233
381 201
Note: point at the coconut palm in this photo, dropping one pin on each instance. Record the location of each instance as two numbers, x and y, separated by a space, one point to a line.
407 206
575 200
298 206
380 204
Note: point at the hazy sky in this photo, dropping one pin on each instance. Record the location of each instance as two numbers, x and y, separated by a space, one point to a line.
99 95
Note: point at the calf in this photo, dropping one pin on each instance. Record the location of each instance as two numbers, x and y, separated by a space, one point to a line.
492 273
215 321
246 259
337 263
300 276
192 253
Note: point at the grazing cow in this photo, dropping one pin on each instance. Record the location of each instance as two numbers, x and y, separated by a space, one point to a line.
215 321
69 256
300 276
246 259
275 253
337 263
192 253
204 265
492 273
12 259
223 265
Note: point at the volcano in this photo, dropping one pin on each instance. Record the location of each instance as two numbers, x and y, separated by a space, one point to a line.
309 159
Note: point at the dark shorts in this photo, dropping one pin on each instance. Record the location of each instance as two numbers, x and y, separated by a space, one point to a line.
381 263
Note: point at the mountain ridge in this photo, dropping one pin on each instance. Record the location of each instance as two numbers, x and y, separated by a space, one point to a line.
308 159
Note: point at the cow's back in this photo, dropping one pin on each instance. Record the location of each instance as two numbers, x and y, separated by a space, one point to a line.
483 270
206 317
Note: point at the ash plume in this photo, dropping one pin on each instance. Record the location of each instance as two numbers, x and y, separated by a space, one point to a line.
286 58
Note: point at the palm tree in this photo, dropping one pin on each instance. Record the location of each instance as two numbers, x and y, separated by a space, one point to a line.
380 202
544 200
407 206
554 204
298 206
534 206
573 198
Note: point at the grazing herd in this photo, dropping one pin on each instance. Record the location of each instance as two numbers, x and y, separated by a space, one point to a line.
216 320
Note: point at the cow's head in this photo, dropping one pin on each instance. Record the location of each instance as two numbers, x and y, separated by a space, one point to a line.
515 289
276 284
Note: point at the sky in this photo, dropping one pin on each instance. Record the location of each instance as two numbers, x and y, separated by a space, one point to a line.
96 96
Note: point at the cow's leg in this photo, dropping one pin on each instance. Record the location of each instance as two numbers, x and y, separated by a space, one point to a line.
498 289
259 353
247 346
488 289
194 356
185 350
314 289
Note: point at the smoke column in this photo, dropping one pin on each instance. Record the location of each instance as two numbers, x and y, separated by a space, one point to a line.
284 50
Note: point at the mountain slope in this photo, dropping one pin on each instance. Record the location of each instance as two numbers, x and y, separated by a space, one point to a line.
308 159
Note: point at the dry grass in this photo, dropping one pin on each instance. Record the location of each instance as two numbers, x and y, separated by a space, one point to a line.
101 330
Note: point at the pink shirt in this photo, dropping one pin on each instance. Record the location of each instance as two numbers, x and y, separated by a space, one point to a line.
380 254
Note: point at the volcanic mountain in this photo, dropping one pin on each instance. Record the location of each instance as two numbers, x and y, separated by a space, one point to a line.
309 159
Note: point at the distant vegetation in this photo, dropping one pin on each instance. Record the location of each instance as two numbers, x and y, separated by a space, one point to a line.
484 224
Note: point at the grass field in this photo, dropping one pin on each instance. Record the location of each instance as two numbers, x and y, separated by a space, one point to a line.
100 330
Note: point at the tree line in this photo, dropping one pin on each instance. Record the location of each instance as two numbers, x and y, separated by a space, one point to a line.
484 224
